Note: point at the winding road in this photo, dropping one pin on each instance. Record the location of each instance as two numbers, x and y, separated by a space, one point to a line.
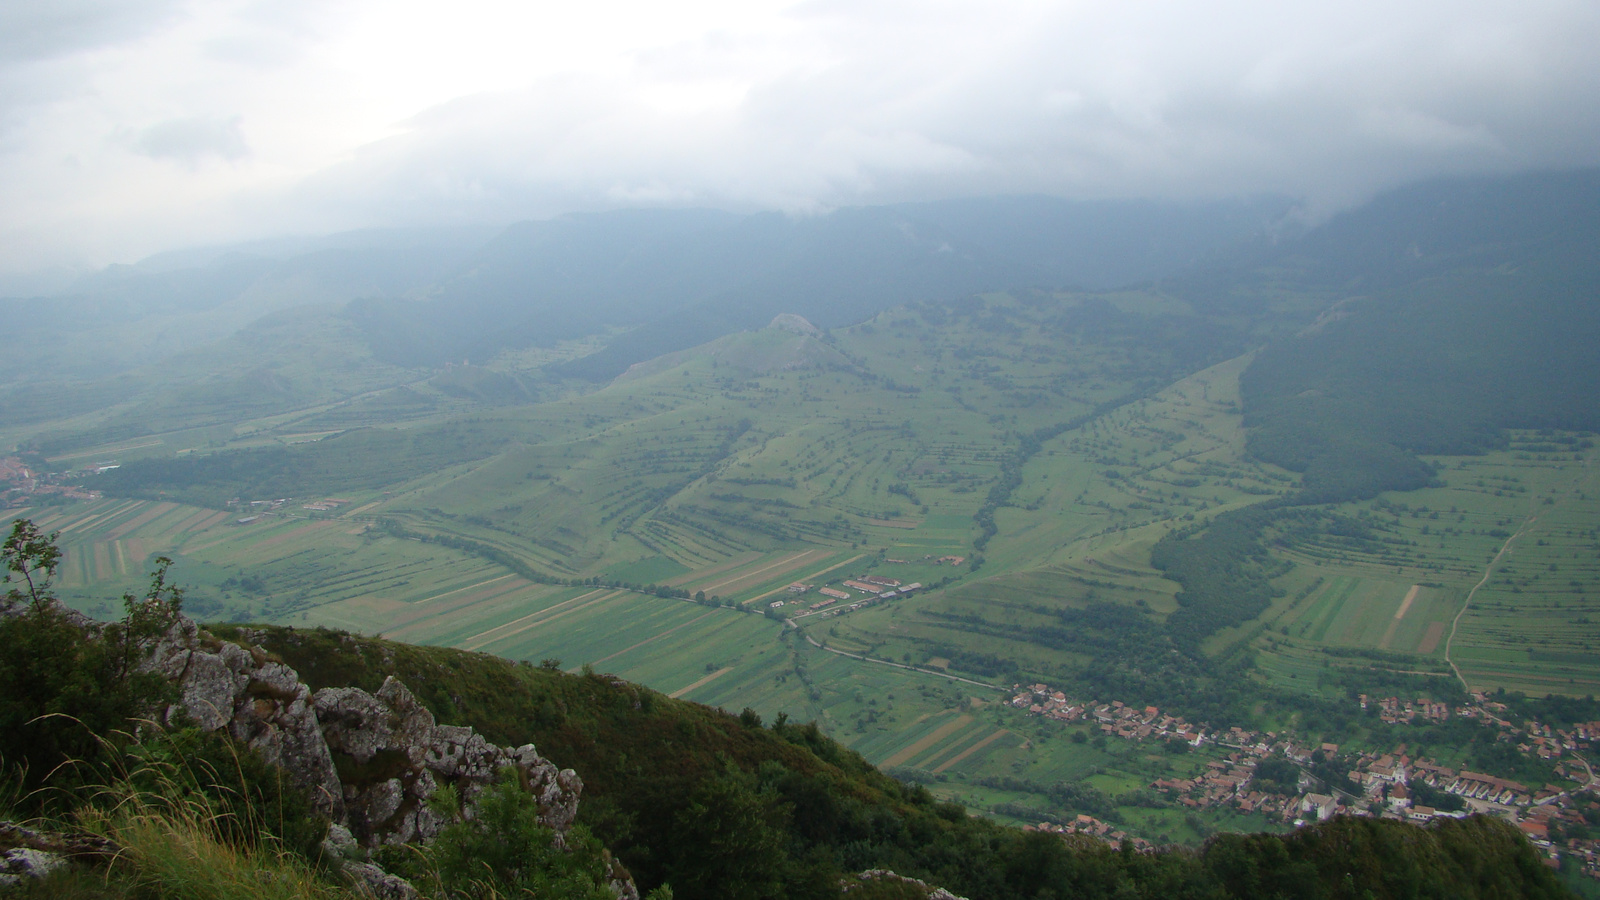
1468 604
884 662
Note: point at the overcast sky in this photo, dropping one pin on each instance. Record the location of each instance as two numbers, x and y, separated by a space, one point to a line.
133 126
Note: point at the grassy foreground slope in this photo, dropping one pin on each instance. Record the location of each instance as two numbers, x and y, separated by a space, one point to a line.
720 805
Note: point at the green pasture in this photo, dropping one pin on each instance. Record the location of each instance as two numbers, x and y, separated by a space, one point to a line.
1532 624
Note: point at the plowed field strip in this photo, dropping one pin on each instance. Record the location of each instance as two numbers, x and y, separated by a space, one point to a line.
207 522
1430 638
1399 614
654 637
751 579
971 750
684 690
467 588
81 523
939 734
293 532
740 560
744 575
189 520
160 509
488 637
812 577
428 620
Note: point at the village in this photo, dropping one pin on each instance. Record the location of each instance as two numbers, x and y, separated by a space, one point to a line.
1282 776
1094 828
21 485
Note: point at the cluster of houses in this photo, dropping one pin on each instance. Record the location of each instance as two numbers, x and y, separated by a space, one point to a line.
1533 738
326 505
19 484
1395 711
1385 782
873 587
256 508
1115 718
1089 825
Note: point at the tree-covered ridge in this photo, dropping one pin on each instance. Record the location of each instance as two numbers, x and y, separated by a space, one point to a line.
1440 367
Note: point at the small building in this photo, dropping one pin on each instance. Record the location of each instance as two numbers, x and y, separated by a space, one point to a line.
1318 806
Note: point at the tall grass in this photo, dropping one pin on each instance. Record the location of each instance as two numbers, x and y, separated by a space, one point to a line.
179 829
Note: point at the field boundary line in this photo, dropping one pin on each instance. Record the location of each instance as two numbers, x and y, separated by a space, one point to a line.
971 750
467 588
803 578
740 577
525 618
923 744
717 674
653 637
1467 603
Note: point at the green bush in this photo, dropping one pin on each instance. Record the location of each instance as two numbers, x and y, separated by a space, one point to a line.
67 699
503 850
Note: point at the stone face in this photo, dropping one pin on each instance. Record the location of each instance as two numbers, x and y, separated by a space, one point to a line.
395 757
380 884
370 761
274 716
24 862
847 885
209 686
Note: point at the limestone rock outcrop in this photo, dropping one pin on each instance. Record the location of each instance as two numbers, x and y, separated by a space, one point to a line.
858 882
370 761
395 756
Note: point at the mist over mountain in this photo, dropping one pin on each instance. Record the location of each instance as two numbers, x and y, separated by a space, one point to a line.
683 278
122 317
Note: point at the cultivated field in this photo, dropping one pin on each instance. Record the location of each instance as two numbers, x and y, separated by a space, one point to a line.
1520 522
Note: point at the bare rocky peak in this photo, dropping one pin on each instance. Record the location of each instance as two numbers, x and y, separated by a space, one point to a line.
794 323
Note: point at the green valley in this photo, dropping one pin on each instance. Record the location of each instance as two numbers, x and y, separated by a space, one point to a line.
1201 503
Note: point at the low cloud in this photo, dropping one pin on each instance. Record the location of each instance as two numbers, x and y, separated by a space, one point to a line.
32 31
365 113
193 140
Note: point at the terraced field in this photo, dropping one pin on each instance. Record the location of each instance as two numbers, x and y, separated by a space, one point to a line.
1532 624
540 531
1080 526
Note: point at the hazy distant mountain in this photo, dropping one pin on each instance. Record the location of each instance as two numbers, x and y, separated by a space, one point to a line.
677 278
672 279
124 316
